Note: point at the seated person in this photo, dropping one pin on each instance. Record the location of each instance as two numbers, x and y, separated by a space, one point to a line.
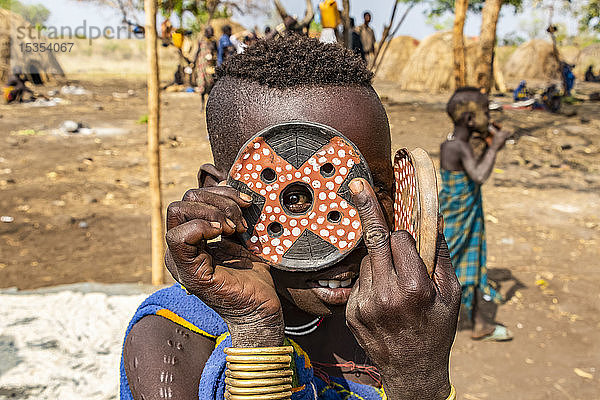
15 89
589 75
372 325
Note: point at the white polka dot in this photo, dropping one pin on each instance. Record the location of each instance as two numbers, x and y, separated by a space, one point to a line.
323 208
351 235
306 179
346 221
256 145
341 232
293 222
256 157
316 184
275 186
307 170
322 196
275 258
249 167
296 231
276 210
336 161
266 250
258 185
282 218
342 153
321 153
246 177
333 239
281 178
245 157
312 161
330 227
350 163
355 225
254 175
343 244
288 167
338 179
303 222
278 169
238 167
322 160
275 242
272 218
269 188
297 174
287 242
279 250
350 244
329 185
332 195
316 167
260 227
237 176
253 239
343 170
286 232
352 212
313 227
264 238
263 217
266 151
250 184
312 215
330 150
320 220
273 196
258 167
324 232
289 177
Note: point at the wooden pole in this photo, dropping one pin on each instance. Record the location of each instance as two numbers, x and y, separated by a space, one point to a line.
153 144
458 43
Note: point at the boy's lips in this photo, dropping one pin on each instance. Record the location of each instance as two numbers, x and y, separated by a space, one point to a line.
334 287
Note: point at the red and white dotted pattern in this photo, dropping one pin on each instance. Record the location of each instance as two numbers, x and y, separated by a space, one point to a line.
406 192
344 234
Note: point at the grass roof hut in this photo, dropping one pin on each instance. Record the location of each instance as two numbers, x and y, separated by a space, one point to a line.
590 55
532 60
397 55
39 66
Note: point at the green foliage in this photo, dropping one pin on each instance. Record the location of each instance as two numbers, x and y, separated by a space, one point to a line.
143 119
439 23
36 14
511 39
590 16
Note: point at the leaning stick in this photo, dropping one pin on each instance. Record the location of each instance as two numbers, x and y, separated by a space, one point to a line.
153 144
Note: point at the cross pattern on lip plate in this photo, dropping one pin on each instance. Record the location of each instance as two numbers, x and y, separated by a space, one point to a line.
341 235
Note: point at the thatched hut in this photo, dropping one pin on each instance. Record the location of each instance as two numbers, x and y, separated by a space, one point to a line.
431 66
588 56
532 60
14 31
397 55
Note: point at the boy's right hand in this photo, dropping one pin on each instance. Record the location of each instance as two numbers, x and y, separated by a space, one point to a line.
224 275
499 138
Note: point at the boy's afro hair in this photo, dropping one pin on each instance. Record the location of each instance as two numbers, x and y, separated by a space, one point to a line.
295 60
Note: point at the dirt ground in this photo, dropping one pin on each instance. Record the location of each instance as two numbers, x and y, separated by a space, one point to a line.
79 210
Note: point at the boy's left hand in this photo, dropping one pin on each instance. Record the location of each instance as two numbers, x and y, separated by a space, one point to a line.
403 319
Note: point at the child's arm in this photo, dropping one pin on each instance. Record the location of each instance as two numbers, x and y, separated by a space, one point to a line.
479 170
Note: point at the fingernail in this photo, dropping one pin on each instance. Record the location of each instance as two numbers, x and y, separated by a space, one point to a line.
222 183
244 223
230 223
245 197
356 186
215 224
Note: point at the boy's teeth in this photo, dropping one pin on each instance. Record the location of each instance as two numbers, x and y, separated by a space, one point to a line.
334 283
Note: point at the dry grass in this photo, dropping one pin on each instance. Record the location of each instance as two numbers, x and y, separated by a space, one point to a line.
532 60
588 56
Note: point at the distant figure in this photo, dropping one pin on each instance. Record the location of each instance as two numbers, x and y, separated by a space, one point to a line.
15 89
206 61
166 29
225 47
589 75
367 37
462 208
267 31
568 77
357 46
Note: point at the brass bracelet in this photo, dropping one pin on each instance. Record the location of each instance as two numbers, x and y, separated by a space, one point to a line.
261 373
452 395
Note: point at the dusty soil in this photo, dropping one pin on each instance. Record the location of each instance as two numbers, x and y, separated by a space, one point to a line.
80 208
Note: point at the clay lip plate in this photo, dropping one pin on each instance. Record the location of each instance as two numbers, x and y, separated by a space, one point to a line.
296 151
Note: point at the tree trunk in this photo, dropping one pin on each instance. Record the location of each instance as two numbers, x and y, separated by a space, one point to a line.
153 145
458 43
487 42
346 22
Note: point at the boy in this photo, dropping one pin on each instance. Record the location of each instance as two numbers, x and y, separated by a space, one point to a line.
461 204
401 321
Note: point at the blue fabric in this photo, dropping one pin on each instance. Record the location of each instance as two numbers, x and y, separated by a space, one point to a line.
520 92
224 43
212 380
464 229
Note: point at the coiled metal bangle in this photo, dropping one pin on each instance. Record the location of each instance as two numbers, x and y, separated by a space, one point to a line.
261 373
